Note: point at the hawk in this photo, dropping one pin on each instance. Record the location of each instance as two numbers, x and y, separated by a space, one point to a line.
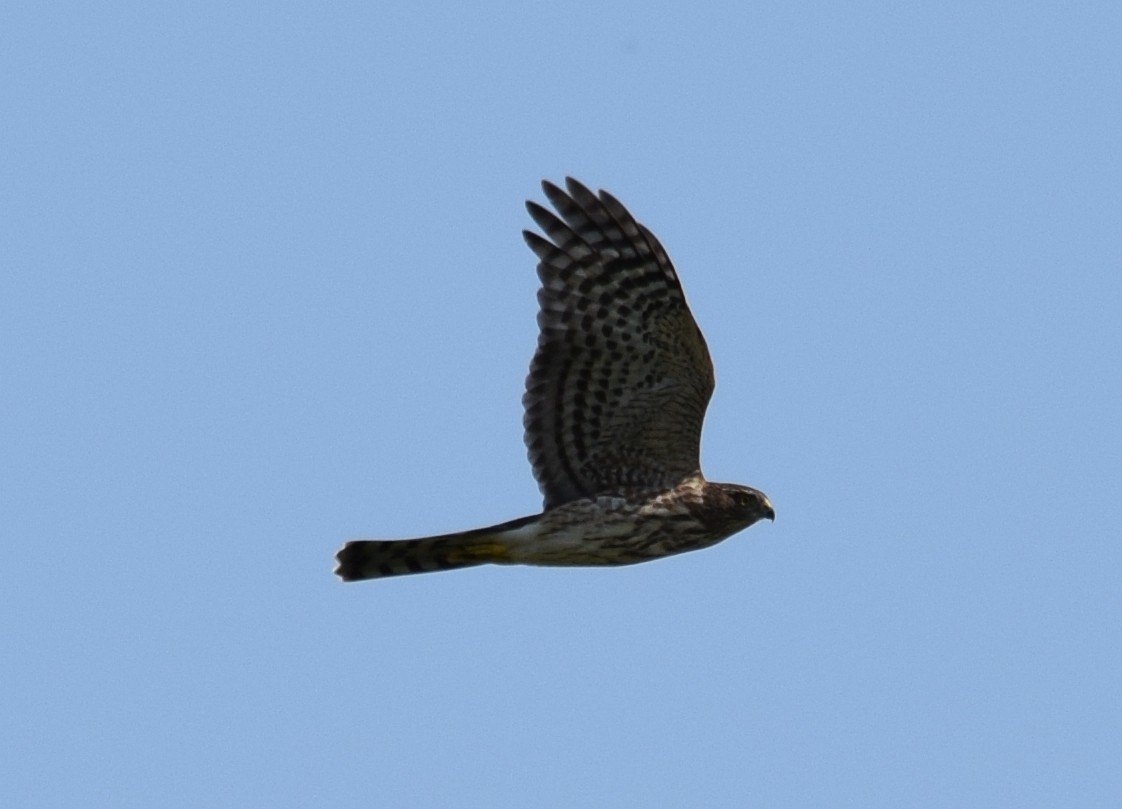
614 405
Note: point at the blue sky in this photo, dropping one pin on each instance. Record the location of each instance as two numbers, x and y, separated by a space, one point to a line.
263 291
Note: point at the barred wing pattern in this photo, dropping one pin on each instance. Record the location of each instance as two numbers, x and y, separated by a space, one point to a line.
618 388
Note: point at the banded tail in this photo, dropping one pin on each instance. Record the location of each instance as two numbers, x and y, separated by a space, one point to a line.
374 559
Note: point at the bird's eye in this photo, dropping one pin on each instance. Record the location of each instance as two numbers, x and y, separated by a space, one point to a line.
743 499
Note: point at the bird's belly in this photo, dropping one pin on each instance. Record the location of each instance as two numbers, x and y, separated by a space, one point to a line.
602 531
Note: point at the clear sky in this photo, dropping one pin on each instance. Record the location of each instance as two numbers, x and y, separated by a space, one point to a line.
263 290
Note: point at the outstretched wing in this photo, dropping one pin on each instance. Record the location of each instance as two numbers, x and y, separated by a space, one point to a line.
618 388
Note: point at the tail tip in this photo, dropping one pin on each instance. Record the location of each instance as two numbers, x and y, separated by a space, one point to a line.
346 567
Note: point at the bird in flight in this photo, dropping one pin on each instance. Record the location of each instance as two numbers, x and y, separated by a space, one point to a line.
614 405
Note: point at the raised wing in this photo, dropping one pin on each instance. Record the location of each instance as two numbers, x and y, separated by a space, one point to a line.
618 388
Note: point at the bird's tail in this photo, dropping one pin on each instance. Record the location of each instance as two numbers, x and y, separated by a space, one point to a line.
375 559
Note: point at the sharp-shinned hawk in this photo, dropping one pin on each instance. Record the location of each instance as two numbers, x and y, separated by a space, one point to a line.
614 405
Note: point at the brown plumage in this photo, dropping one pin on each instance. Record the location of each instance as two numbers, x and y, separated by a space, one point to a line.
614 405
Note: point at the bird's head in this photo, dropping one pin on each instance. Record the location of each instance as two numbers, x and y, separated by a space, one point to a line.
733 507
